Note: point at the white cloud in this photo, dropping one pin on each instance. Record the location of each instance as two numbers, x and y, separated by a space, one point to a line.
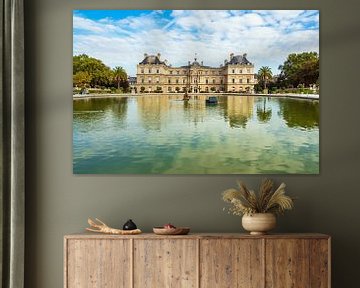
266 36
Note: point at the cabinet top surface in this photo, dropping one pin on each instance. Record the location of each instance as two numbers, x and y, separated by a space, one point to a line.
87 235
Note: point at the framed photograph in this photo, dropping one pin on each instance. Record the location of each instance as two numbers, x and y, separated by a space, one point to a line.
196 92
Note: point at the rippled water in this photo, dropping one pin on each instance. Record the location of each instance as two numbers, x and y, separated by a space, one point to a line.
162 134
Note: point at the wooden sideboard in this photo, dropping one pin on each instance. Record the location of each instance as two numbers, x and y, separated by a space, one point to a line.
197 260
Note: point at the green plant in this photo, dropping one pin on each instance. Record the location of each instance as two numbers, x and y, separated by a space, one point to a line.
267 200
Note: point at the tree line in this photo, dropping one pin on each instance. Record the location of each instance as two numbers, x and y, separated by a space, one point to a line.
89 72
298 72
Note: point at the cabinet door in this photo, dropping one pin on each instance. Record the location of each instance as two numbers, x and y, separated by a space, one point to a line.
320 263
287 263
166 263
231 263
98 263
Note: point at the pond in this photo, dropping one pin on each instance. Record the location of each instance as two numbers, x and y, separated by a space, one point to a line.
164 135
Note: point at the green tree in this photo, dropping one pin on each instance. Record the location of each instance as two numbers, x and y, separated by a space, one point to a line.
265 74
119 75
82 79
99 73
302 68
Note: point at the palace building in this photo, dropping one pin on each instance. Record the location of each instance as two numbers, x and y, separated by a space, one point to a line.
156 76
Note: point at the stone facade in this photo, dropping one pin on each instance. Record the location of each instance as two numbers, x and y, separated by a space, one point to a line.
155 75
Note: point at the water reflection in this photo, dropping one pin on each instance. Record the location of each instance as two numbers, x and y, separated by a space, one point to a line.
163 134
263 112
238 110
152 111
90 109
300 113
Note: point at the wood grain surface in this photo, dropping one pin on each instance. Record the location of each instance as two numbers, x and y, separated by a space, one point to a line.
98 263
197 260
231 263
287 263
165 263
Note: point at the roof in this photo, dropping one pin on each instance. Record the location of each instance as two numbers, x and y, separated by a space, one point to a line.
239 59
195 63
152 59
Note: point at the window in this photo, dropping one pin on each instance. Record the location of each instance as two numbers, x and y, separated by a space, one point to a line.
178 72
177 81
149 70
169 81
247 80
221 81
233 70
142 80
170 72
233 80
142 70
149 80
240 71
207 81
241 80
157 80
213 81
169 89
248 70
184 80
157 70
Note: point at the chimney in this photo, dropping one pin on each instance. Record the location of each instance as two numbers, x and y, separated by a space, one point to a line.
145 55
231 55
158 55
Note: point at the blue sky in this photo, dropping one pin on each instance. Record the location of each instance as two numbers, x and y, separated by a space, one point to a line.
121 37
